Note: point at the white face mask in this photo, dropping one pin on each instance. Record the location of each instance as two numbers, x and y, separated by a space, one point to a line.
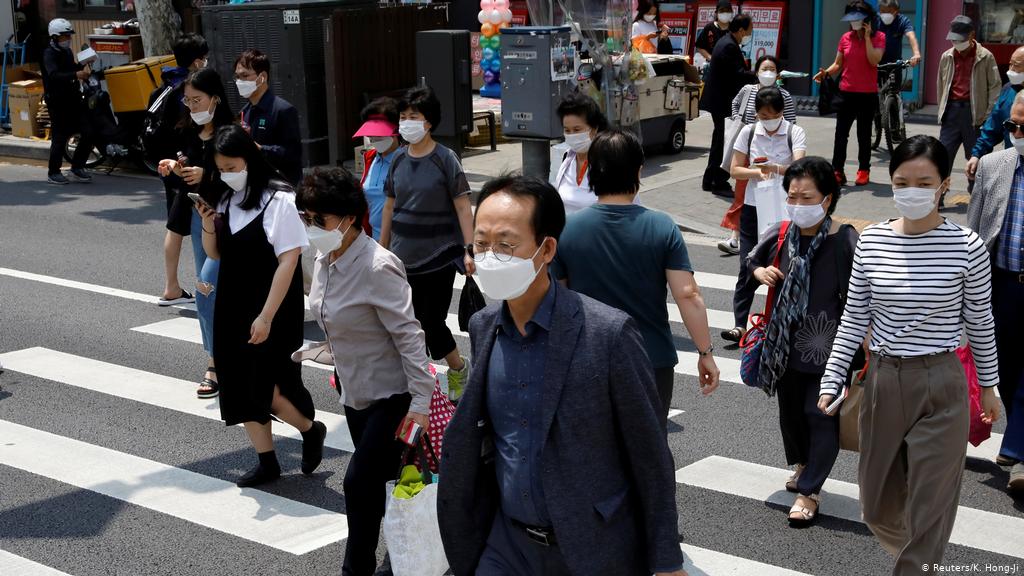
382 145
580 142
914 203
235 180
767 78
204 117
1018 144
856 25
725 17
771 125
412 130
806 216
326 241
961 46
247 88
745 41
888 19
649 17
1015 78
506 280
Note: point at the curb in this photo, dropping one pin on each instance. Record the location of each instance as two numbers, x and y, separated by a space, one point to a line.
21 148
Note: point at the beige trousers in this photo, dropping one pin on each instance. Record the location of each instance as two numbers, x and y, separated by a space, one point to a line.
914 422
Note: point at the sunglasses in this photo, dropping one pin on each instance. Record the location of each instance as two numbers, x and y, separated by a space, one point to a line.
1012 127
313 219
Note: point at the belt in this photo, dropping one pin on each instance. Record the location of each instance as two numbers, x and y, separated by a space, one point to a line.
915 361
960 102
1006 274
542 536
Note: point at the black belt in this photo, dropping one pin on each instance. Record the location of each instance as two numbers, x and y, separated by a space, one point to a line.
542 536
1006 274
960 102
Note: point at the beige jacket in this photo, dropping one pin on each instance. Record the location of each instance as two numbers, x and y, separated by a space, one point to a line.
985 83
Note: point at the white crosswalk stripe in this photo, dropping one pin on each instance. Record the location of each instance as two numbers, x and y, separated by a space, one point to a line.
702 562
254 515
15 565
975 528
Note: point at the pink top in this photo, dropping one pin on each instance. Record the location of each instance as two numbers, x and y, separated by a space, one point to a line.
859 75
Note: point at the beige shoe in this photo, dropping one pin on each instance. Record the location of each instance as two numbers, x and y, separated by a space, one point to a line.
1016 483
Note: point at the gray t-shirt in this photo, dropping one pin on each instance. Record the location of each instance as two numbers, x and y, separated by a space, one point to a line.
424 224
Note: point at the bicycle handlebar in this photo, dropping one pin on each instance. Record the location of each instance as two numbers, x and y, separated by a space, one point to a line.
899 64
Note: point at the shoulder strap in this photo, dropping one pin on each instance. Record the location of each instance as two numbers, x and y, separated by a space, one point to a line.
844 263
783 229
750 142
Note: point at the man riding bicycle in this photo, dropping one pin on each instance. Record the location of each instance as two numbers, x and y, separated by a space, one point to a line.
895 26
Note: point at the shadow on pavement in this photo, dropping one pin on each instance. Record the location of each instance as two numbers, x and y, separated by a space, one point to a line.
144 201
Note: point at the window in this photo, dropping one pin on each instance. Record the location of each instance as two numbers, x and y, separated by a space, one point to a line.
1001 21
98 9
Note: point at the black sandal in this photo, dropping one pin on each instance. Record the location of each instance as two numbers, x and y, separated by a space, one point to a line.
208 388
734 335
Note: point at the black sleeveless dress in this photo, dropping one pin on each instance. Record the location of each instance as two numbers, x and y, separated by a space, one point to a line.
247 373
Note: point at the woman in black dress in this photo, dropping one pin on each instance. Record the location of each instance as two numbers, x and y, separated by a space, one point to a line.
257 235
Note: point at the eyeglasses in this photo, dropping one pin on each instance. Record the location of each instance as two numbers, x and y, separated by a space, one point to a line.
503 251
192 102
1012 127
313 219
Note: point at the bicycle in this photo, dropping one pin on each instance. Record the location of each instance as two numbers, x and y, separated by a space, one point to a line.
889 116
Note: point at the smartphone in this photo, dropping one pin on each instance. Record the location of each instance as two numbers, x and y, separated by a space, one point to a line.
182 160
199 200
831 408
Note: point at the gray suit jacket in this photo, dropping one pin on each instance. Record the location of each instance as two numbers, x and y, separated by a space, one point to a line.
987 210
607 472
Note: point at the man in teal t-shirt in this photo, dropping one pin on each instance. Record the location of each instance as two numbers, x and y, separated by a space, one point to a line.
628 257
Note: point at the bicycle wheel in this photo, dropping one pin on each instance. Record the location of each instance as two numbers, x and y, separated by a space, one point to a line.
96 156
876 132
895 130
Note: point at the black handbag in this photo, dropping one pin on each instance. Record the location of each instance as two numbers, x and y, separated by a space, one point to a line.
470 302
829 98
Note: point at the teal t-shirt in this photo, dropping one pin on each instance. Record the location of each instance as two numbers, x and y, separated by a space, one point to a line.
618 255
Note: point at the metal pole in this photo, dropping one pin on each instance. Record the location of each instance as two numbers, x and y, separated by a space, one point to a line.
537 158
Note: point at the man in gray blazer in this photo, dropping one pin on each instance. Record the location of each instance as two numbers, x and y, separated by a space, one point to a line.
555 462
996 213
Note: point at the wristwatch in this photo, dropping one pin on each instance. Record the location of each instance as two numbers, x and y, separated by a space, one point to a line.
711 348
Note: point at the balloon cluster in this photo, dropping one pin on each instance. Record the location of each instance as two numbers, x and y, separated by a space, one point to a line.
494 15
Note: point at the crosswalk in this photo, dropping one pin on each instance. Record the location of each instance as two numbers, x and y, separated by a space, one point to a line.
293 526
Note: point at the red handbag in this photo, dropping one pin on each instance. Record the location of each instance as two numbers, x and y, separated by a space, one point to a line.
980 431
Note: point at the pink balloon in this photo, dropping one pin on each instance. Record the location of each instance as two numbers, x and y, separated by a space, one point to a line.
487 5
506 16
495 17
483 17
501 4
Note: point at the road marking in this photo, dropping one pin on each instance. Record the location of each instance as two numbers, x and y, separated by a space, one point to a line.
988 450
147 388
974 528
701 562
704 280
246 513
673 413
17 566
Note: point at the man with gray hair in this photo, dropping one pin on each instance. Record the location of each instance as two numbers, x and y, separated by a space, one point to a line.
996 213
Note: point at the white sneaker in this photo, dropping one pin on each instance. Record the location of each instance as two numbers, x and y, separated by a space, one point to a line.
730 246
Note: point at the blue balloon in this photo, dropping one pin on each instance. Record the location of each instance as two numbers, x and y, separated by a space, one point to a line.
495 65
488 77
488 53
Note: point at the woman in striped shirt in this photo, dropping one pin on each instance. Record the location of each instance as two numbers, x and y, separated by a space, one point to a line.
915 281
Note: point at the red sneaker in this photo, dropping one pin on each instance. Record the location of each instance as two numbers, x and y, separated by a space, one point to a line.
862 177
840 178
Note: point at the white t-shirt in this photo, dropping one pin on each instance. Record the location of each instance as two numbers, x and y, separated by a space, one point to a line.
575 196
774 147
643 28
281 222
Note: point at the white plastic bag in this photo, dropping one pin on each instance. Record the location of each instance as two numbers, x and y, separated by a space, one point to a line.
412 534
771 204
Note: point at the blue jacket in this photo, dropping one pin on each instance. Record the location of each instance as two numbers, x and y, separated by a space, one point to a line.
606 468
992 130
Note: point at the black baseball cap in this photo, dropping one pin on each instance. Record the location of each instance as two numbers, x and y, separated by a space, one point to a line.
960 29
724 6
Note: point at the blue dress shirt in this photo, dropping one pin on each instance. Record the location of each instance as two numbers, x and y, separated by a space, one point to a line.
1010 251
515 385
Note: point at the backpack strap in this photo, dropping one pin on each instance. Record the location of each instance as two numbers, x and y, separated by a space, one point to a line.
844 263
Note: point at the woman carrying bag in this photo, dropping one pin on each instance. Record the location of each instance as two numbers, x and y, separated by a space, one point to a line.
361 299
257 236
815 258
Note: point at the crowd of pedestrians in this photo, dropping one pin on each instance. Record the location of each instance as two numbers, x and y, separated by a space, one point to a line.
571 367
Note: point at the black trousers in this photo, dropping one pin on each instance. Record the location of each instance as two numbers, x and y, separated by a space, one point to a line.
509 552
664 378
746 285
714 176
66 121
857 107
431 298
810 437
375 461
958 129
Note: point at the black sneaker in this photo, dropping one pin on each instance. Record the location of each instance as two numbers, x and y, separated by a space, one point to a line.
57 179
80 175
313 447
267 470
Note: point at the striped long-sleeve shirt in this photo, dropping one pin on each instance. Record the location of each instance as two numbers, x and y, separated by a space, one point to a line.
915 293
749 109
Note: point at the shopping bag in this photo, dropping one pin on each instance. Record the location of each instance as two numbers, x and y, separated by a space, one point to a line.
829 97
411 531
644 45
771 203
753 340
441 412
733 125
470 302
849 412
979 431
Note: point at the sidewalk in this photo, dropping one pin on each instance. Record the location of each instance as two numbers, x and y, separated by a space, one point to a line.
672 183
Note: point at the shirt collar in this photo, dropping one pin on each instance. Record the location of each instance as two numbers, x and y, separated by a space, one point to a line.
353 251
541 318
782 131
266 101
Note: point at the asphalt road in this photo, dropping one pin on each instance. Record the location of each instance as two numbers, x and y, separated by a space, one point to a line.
125 481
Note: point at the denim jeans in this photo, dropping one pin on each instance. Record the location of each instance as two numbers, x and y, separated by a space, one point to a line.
206 271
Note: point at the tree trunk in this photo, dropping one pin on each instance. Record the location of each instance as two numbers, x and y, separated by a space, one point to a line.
159 25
